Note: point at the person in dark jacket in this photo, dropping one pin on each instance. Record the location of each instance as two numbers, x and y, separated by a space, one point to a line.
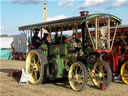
35 39
45 38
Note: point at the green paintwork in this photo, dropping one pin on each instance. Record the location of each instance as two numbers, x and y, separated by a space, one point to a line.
103 15
44 48
61 67
60 49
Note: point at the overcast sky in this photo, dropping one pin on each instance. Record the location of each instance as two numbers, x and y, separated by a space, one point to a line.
15 13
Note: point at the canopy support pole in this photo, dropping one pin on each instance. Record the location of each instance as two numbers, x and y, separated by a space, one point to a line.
96 32
90 37
61 34
41 33
50 35
114 36
109 33
76 31
31 36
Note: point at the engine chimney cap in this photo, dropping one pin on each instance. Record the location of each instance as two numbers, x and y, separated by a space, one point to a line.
84 13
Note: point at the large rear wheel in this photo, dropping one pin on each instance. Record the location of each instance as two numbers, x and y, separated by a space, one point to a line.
35 65
78 77
102 74
124 72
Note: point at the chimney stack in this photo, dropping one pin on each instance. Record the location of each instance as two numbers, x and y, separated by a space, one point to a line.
84 13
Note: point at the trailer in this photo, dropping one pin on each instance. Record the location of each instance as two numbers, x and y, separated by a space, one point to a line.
19 47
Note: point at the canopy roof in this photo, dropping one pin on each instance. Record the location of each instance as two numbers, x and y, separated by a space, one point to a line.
68 23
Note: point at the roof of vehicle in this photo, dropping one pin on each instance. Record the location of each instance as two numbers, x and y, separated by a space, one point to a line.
68 23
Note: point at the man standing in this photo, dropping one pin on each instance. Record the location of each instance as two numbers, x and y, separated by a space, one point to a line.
35 39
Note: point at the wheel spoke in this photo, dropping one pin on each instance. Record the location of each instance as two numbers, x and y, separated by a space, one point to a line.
76 69
80 71
96 70
35 75
101 68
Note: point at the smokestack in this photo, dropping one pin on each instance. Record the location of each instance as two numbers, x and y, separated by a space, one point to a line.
84 31
84 13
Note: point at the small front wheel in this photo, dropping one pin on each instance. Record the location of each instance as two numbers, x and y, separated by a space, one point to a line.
102 74
77 76
124 72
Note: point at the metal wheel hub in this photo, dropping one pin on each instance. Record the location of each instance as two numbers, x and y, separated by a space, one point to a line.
34 67
77 76
100 74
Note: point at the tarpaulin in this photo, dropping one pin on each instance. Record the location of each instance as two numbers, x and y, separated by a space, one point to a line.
5 54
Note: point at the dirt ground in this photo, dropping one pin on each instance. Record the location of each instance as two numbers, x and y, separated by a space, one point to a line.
10 86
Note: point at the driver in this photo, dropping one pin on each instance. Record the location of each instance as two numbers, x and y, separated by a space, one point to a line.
75 41
35 39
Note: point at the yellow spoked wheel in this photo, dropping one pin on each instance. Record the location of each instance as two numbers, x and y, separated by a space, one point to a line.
124 72
78 76
102 74
35 65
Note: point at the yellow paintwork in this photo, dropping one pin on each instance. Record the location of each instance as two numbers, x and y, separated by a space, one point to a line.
76 79
124 71
33 67
100 74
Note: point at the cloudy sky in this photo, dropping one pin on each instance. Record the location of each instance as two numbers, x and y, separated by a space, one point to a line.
15 13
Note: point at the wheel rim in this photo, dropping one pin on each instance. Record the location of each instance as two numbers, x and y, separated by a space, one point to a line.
76 77
101 74
33 67
124 72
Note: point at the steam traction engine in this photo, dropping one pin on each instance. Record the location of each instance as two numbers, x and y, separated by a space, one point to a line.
76 61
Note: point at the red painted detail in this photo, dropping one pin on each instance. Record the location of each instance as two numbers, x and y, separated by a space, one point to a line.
116 60
13 53
100 51
20 57
67 40
103 86
109 59
92 73
108 50
32 46
15 74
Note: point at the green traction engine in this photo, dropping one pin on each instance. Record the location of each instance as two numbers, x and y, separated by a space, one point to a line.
77 63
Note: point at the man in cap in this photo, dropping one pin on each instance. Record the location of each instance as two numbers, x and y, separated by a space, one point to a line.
35 39
45 38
